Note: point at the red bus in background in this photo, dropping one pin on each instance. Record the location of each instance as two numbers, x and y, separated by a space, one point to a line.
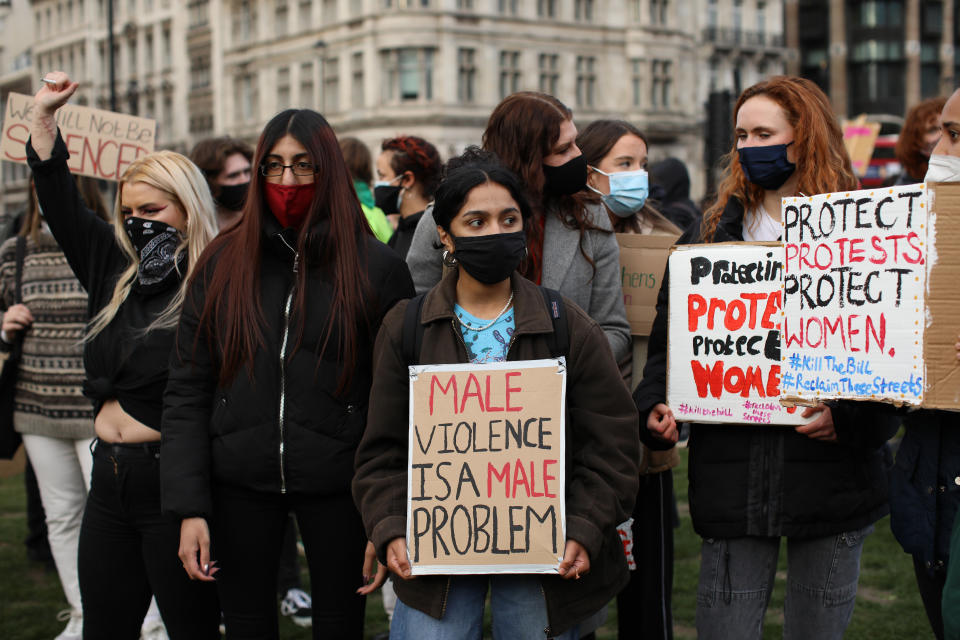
883 167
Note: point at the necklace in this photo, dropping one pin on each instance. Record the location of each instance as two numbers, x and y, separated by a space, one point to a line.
492 322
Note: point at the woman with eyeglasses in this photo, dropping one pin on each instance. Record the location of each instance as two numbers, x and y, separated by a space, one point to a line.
135 273
269 384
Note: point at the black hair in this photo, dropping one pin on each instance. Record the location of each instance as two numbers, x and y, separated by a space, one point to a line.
474 167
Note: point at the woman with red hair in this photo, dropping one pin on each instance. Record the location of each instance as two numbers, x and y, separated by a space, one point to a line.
268 389
920 134
821 485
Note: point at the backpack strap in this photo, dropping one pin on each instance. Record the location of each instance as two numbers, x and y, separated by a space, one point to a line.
18 275
412 337
559 340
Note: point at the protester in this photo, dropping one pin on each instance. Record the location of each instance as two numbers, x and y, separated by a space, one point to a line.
225 163
569 243
269 385
134 275
359 163
924 495
670 188
821 485
50 412
408 171
616 155
481 211
921 131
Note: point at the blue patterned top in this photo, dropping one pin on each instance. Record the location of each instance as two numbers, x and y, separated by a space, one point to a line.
489 345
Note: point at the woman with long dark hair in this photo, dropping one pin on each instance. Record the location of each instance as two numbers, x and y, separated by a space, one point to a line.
268 390
570 244
920 134
820 486
134 272
482 312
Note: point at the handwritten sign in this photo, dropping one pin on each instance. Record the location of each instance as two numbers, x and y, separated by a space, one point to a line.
643 259
102 144
724 334
860 137
486 477
854 280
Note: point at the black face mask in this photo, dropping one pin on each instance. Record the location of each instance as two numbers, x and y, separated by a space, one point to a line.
387 197
156 243
767 167
566 179
233 196
490 259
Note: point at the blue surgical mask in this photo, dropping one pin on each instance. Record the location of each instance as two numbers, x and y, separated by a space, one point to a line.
628 191
767 167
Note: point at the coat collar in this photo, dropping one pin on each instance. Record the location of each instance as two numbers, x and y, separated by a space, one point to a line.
530 312
730 227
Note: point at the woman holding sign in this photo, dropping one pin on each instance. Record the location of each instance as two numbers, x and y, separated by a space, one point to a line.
134 272
483 311
268 388
820 485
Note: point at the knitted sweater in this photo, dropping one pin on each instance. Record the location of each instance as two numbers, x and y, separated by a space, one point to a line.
49 400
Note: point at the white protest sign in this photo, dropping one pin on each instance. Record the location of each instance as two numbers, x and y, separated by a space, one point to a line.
102 144
486 477
724 334
854 295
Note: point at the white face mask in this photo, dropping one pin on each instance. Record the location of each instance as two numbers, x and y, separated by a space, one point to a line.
943 168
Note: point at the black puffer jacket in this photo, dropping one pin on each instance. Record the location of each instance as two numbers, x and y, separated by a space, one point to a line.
280 426
748 480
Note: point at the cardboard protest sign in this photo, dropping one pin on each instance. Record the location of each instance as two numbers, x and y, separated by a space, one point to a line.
855 277
102 144
486 476
724 334
643 259
860 137
942 297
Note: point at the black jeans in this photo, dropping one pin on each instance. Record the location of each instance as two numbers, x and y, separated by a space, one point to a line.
644 605
247 530
128 552
288 576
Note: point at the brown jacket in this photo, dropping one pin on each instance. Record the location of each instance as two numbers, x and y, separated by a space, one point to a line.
601 435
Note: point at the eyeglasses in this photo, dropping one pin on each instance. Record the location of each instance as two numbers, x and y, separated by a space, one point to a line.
274 168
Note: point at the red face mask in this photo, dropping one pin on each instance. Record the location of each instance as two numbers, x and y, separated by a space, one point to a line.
289 203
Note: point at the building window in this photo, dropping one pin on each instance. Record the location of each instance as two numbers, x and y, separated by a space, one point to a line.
658 12
661 84
507 7
761 17
329 11
636 82
466 75
281 19
307 99
331 85
712 14
248 98
148 52
132 53
509 73
244 21
306 15
166 46
583 10
586 81
547 8
199 71
407 74
283 88
549 77
356 79
465 5
737 16
199 12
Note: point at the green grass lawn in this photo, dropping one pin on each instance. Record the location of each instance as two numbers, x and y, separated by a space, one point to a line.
888 605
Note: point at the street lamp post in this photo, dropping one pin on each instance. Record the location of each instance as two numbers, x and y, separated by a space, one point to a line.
112 62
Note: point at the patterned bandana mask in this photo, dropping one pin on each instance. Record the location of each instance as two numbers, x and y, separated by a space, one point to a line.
156 243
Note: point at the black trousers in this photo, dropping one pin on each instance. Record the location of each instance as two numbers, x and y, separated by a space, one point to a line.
930 584
128 552
643 607
247 532
288 576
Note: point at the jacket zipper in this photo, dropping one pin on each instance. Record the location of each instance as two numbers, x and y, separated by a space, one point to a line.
283 364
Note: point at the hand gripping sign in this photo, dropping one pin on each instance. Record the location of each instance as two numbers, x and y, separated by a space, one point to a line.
486 476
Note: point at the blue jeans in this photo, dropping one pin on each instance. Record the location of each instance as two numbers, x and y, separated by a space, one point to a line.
737 576
516 606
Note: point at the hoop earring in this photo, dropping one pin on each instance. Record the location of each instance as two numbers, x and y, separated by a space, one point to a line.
448 260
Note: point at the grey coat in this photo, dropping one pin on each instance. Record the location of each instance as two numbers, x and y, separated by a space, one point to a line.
564 269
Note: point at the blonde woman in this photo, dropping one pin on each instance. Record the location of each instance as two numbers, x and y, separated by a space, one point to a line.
134 275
